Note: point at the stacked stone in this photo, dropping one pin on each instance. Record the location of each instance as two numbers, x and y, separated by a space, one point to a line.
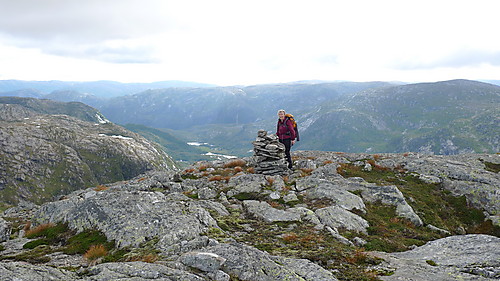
269 154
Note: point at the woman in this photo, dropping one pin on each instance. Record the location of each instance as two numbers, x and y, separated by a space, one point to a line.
286 134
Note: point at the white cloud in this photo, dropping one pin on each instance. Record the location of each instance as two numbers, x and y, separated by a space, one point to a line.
247 42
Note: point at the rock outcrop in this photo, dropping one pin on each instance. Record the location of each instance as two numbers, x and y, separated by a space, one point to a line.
466 257
219 221
43 156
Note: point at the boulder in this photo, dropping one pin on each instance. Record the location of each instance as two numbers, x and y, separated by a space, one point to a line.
463 257
4 230
22 271
247 183
317 189
267 213
337 217
248 263
131 218
208 262
138 271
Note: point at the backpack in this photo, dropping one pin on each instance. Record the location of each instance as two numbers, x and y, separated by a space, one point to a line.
290 117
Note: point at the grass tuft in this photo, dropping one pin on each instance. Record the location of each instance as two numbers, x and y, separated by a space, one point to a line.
95 252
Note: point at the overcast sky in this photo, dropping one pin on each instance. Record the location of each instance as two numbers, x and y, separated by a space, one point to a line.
249 42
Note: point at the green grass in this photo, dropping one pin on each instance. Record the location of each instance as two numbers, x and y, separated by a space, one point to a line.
492 167
433 204
59 238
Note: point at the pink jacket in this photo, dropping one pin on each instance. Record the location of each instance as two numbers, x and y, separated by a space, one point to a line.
285 130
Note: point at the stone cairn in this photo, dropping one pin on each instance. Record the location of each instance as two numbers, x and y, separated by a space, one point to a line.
269 155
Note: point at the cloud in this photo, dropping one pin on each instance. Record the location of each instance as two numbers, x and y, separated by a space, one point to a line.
77 21
456 59
100 30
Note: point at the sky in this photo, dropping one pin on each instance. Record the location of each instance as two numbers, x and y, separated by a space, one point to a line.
249 42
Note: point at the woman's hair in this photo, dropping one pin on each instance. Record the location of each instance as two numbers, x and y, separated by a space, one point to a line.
281 110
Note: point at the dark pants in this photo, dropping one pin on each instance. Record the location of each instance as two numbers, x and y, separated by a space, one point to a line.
288 146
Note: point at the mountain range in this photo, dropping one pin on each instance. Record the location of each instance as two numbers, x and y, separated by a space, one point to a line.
448 117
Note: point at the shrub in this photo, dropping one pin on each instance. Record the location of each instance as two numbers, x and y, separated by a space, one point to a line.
215 178
235 163
39 230
203 167
95 252
100 188
149 258
270 180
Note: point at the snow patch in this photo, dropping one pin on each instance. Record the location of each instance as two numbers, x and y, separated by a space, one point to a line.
220 155
195 143
116 137
101 119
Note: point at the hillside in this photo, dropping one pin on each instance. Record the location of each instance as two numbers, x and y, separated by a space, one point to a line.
52 148
450 117
338 216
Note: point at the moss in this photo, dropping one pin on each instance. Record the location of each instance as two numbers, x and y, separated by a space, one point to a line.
248 196
431 262
34 256
492 167
81 242
390 233
35 243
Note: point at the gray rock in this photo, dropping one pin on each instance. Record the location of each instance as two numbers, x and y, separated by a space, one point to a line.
267 213
206 193
437 229
131 218
219 275
306 164
208 262
337 217
360 242
139 271
327 172
290 197
463 257
248 263
306 215
22 271
248 183
5 230
334 232
317 189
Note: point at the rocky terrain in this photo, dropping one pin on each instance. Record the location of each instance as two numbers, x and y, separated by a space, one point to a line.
48 149
336 216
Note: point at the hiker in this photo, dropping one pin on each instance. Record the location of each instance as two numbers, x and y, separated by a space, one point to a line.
286 134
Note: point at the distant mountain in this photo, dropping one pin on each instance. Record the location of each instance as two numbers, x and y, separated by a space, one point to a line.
74 96
26 93
102 89
449 117
183 108
51 148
